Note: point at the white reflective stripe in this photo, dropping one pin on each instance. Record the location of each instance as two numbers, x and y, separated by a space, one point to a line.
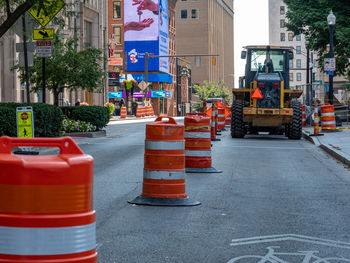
327 122
221 115
228 118
198 153
213 124
165 145
315 110
205 135
221 122
327 114
47 241
167 175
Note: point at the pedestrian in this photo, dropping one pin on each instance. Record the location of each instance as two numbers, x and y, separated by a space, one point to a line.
77 103
117 108
121 103
134 107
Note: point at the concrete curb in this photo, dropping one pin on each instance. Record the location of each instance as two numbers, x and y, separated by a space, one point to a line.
340 156
95 134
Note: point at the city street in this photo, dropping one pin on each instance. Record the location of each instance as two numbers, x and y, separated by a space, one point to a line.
288 194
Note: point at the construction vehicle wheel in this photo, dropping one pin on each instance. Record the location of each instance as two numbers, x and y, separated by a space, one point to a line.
286 130
295 127
237 124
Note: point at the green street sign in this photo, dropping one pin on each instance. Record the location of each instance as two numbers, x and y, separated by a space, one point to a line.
45 10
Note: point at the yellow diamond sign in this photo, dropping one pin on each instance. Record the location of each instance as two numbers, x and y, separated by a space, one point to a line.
44 10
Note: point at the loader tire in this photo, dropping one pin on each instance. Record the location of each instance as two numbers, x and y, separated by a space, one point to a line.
295 127
237 124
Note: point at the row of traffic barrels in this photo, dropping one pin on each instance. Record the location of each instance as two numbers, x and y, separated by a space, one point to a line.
328 122
144 111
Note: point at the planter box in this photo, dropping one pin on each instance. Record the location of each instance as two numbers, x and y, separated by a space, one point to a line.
95 134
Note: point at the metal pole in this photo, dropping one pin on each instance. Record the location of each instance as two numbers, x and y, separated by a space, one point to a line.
44 80
331 54
25 57
307 76
311 78
146 67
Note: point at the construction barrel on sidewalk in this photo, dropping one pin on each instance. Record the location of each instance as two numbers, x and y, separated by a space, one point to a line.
164 166
123 112
328 118
138 112
213 123
198 144
221 117
228 115
303 116
46 203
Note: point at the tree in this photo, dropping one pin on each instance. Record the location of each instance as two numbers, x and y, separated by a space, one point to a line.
211 90
309 17
13 9
67 68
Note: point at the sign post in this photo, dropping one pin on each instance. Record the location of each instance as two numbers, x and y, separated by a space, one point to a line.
25 122
43 50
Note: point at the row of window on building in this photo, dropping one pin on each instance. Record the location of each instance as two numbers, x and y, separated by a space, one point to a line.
290 37
291 76
184 14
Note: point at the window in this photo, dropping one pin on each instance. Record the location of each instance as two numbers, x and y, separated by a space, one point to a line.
298 76
298 63
116 9
291 76
194 13
282 23
290 36
298 37
291 63
282 10
283 36
298 48
184 14
117 35
197 61
259 58
87 34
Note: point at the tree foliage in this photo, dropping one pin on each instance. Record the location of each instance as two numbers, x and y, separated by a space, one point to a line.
309 17
211 90
67 68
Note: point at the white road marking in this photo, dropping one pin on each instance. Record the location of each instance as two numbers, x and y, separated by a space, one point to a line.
288 237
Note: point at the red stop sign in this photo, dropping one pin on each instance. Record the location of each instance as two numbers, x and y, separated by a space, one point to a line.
24 116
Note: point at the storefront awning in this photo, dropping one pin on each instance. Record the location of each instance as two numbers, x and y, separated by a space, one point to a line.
154 78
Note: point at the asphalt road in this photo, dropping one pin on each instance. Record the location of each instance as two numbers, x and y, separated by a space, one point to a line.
272 192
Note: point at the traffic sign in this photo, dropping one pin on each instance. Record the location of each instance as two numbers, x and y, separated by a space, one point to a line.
25 122
43 48
329 73
113 75
143 85
329 64
44 10
257 94
43 34
113 82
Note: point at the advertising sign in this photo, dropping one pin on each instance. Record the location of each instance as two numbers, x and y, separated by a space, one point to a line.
116 94
25 122
137 94
159 94
146 31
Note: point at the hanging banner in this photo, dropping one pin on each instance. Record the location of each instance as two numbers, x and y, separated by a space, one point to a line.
116 94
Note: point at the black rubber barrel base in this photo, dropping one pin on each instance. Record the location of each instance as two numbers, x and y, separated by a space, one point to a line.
26 152
141 200
215 140
317 134
202 170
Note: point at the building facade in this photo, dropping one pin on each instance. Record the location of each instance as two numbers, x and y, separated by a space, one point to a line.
89 25
206 27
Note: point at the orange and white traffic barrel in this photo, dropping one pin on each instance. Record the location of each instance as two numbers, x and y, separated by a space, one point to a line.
221 118
198 144
46 203
143 112
228 115
123 112
152 111
138 112
213 124
303 116
328 118
164 166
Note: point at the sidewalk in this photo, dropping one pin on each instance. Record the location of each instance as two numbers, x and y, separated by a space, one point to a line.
336 143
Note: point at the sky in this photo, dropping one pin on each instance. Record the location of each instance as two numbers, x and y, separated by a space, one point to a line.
251 28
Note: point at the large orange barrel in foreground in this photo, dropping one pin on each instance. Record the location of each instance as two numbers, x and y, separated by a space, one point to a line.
328 118
198 144
164 165
46 209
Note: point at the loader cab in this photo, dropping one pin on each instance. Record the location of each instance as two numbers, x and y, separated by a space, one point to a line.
266 60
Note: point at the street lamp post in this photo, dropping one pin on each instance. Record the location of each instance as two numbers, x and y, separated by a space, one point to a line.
331 22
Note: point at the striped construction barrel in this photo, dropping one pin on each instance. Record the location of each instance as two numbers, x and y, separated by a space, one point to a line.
123 112
228 118
138 112
46 203
164 165
303 116
221 117
198 143
213 123
328 118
